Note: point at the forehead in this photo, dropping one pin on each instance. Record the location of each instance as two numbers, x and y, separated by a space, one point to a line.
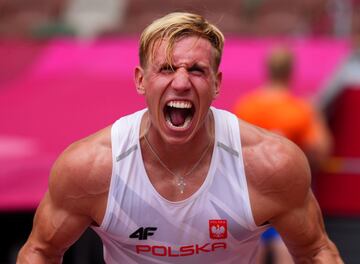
187 50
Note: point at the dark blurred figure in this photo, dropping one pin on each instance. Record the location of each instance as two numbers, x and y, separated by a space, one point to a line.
276 108
338 185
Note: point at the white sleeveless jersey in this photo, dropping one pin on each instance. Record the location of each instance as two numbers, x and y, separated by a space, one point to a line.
214 225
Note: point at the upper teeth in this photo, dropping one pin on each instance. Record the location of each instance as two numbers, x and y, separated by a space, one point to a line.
179 104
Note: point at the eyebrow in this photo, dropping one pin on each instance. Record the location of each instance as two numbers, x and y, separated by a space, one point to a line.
196 65
165 64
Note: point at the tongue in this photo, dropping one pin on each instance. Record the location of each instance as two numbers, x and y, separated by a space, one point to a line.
178 116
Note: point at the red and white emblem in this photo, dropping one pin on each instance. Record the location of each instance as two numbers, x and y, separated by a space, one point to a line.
218 229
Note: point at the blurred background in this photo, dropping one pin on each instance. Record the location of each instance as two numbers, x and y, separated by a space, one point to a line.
66 70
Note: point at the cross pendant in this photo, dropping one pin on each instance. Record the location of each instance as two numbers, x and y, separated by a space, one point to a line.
181 183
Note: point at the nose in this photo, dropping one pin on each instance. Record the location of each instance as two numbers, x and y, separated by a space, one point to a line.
181 80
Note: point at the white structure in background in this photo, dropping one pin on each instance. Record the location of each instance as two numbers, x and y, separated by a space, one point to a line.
341 13
91 17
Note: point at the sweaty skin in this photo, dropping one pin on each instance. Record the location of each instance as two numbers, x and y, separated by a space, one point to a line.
279 179
277 172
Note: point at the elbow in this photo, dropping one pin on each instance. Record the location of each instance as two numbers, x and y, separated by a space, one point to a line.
326 254
32 253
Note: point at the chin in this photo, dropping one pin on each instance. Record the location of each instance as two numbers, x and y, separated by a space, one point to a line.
176 139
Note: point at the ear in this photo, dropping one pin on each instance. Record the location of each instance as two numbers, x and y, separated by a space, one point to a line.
217 84
139 80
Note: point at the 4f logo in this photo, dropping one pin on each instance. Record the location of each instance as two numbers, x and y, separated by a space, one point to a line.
218 229
143 233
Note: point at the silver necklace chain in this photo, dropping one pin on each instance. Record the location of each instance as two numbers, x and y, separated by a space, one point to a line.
180 180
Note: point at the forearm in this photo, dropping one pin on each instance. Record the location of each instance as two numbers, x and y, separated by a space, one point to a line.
328 254
31 253
325 255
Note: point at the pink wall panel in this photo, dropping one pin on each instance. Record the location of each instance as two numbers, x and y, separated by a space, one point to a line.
70 89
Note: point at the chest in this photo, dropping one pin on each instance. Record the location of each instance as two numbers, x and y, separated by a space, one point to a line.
175 187
141 195
215 216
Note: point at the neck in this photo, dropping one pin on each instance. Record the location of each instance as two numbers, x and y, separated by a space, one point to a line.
279 85
181 157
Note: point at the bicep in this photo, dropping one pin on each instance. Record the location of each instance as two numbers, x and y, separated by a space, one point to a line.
55 229
302 228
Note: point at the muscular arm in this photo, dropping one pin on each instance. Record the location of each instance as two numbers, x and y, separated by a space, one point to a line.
279 183
76 199
298 219
303 232
55 229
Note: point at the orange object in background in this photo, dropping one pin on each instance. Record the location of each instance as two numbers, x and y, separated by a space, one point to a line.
279 111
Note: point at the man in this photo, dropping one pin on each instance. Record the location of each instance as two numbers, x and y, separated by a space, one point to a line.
176 183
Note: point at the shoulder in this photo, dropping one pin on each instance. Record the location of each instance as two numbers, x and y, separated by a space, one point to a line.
277 171
83 171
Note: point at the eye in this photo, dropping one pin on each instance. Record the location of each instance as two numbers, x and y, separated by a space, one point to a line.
166 68
196 70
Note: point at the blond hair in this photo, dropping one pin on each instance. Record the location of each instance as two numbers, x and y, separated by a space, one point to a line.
174 26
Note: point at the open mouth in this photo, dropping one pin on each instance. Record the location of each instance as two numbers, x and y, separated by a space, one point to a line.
178 114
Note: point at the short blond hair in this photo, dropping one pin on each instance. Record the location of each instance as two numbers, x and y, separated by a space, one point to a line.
174 26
